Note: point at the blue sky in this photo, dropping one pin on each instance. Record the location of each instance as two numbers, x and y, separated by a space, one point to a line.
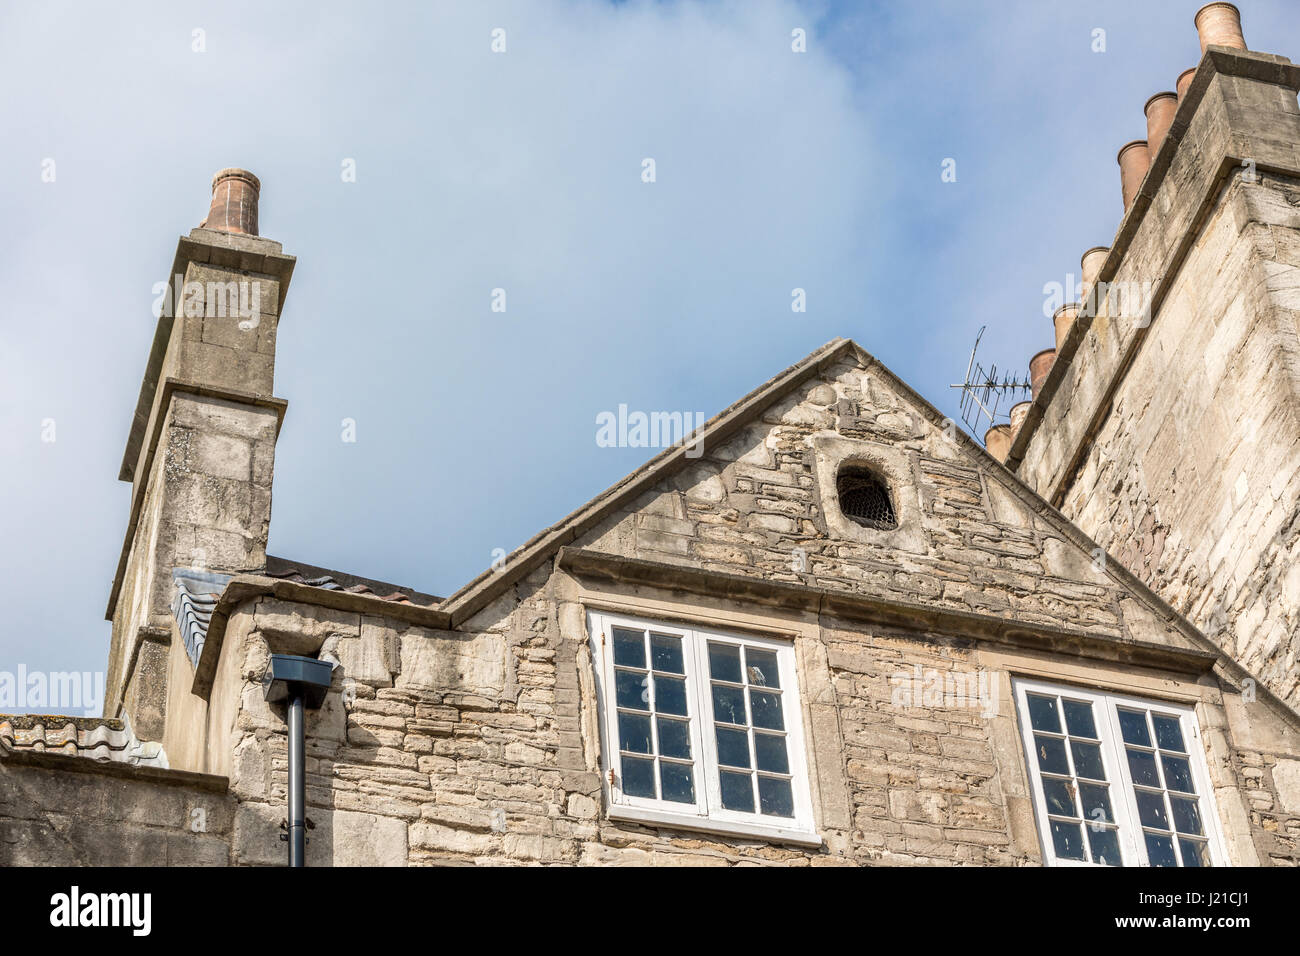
522 171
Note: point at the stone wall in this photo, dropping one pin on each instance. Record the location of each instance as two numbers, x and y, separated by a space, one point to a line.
1174 439
58 810
1195 488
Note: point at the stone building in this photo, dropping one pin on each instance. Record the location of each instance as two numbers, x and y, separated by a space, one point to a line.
830 629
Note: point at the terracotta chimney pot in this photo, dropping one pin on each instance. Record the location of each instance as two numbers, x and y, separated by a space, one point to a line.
1160 110
997 441
234 202
1219 24
1090 264
1062 319
1018 414
1039 366
1134 161
1184 82
1090 267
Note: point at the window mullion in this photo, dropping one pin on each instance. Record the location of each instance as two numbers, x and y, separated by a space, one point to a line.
1126 802
708 759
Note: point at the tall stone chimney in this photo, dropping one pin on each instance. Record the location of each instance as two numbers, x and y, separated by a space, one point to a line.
1169 427
201 449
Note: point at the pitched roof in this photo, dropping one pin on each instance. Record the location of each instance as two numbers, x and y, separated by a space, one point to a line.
479 592
310 575
490 584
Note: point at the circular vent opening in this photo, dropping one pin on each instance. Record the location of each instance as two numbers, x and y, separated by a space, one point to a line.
864 498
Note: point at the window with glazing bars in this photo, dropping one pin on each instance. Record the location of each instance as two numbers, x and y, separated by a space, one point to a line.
1118 781
701 725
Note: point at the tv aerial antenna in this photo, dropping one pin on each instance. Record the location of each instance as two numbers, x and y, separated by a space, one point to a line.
983 392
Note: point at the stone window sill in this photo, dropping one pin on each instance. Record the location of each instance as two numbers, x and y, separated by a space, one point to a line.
688 821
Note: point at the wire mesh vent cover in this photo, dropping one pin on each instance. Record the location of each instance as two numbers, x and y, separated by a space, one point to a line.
865 499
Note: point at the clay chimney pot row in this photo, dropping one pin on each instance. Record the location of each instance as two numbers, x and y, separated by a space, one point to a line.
1184 82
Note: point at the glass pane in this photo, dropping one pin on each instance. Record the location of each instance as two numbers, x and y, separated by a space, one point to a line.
666 653
629 647
1142 765
1068 840
1051 755
632 689
1195 853
1187 816
1160 850
1078 718
677 782
1133 725
670 695
733 747
737 792
729 705
1169 735
1096 803
1042 713
775 797
1178 773
1087 760
769 753
634 733
761 670
724 663
1151 809
1105 847
766 709
674 738
638 777
1060 799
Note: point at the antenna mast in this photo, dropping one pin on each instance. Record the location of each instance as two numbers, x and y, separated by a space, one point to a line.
982 393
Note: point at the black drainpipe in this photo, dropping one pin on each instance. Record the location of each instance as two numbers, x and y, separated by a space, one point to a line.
301 682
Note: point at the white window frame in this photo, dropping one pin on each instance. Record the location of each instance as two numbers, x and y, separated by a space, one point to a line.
1123 797
708 813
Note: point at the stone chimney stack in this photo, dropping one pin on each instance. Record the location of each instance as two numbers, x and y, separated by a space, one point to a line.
1169 428
200 452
